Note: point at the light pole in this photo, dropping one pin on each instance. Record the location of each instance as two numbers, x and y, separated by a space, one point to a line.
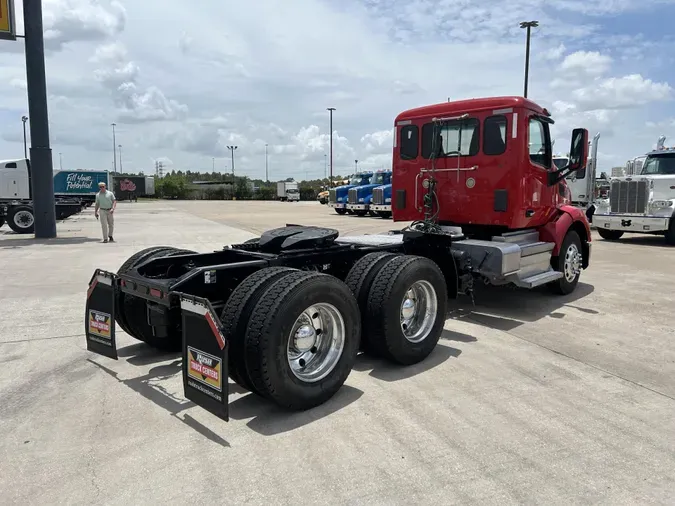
356 166
528 25
120 147
232 148
331 109
213 163
114 149
267 177
25 143
60 161
325 165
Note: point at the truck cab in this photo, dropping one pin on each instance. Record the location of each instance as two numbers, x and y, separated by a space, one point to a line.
337 197
484 167
643 201
15 181
359 197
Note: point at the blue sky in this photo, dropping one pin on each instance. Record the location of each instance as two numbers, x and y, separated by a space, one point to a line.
182 84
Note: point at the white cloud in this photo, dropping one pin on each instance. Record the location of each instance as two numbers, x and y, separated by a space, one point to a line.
183 84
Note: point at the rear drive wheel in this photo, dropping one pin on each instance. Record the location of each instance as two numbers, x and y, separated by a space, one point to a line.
406 309
340 211
302 339
610 235
236 315
360 279
132 310
21 219
568 262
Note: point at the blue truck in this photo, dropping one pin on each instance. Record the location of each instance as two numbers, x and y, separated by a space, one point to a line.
337 197
359 197
380 204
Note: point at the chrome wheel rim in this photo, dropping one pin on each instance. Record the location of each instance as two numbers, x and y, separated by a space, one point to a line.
316 342
24 219
572 263
418 311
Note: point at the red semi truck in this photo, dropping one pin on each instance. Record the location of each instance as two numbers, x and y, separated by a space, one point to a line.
284 315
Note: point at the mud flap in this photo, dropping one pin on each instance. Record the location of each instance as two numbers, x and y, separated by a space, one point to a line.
205 375
100 314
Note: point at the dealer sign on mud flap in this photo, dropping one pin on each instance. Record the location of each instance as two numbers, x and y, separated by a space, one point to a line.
205 368
99 324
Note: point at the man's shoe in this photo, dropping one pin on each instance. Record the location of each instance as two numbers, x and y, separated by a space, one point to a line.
104 241
111 239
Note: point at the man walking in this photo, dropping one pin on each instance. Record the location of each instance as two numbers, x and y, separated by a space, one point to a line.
106 203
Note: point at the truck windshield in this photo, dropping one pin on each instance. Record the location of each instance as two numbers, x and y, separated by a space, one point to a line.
355 180
292 190
377 179
659 165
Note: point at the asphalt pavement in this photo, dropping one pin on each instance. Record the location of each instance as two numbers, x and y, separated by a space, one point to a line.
529 397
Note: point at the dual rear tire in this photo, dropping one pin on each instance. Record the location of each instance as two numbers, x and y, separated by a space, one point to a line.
294 335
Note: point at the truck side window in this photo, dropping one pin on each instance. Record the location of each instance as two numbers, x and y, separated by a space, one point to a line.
448 138
494 137
409 142
11 165
538 142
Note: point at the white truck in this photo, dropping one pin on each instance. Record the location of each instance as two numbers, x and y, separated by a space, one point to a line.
641 202
288 191
73 190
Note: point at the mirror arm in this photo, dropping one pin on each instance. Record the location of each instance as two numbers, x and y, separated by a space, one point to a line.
558 175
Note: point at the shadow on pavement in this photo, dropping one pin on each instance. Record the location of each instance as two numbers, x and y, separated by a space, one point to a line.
140 354
57 241
147 387
506 308
269 419
386 371
651 241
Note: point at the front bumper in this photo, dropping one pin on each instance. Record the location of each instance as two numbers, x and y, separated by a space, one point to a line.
357 207
628 223
381 207
337 205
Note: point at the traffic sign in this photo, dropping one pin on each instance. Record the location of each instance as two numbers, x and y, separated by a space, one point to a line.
7 24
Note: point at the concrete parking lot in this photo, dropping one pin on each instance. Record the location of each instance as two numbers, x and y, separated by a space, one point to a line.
529 397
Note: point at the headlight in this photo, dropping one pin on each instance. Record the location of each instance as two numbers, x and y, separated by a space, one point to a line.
360 200
660 204
388 201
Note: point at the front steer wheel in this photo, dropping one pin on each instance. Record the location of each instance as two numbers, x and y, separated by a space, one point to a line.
406 309
568 261
610 235
21 219
302 339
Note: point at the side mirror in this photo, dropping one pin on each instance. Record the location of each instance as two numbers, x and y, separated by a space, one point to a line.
579 150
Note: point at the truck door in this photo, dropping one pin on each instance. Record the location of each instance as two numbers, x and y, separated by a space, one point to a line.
540 199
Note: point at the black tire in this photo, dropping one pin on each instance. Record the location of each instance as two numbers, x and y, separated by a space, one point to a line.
384 214
2 221
360 213
563 286
268 336
341 211
21 219
360 279
610 235
670 233
350 211
132 310
372 213
388 290
235 318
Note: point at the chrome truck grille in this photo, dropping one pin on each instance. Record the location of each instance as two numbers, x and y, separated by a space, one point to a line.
378 196
352 197
332 195
629 197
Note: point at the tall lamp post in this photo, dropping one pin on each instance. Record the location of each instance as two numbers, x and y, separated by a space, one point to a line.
120 148
267 176
325 165
114 149
232 148
528 25
61 161
331 109
356 166
25 142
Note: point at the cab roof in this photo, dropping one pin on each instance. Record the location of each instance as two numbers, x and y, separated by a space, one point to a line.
470 105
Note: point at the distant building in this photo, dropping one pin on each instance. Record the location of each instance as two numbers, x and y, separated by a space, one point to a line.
618 171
